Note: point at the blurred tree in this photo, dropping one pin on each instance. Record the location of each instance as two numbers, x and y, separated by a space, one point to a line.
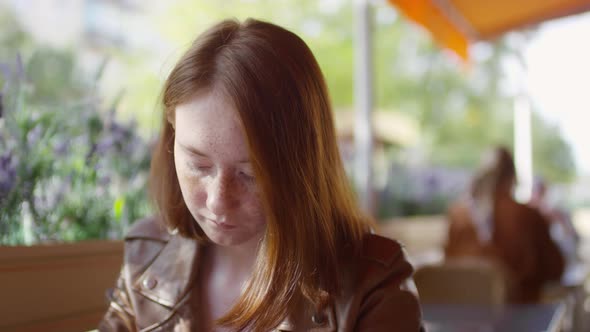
325 25
463 109
552 155
12 36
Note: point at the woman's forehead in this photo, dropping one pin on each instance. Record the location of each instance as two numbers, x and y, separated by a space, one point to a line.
208 107
210 125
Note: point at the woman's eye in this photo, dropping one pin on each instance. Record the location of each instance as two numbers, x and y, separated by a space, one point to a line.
246 176
199 168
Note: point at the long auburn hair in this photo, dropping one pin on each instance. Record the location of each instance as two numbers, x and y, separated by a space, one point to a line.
313 223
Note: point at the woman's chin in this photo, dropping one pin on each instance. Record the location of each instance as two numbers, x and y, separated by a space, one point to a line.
224 239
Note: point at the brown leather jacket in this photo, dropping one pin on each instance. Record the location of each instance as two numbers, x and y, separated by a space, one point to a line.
154 289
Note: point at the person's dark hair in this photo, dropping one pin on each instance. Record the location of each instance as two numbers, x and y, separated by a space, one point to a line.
497 171
505 165
277 88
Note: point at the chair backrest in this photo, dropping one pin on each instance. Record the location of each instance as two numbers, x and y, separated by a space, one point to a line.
418 234
461 282
57 287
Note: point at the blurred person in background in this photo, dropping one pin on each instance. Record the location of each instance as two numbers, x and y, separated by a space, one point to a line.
561 226
257 227
488 223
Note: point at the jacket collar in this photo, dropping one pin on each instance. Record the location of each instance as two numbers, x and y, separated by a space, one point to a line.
310 318
322 321
168 278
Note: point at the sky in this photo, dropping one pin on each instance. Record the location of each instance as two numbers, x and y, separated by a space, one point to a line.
558 80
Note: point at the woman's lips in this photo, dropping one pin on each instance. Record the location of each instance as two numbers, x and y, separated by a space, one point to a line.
222 225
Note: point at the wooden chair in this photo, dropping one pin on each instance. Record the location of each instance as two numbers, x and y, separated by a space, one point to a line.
419 235
462 282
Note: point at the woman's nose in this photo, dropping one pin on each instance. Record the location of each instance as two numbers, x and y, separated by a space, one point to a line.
221 195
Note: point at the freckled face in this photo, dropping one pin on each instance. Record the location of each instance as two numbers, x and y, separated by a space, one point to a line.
215 175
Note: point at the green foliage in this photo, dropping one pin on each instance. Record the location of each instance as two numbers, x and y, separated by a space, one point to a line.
12 36
420 190
552 156
69 170
463 110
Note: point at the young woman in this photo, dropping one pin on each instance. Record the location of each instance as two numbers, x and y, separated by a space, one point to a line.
257 227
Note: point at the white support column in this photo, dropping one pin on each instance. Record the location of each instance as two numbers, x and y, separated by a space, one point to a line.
523 148
363 96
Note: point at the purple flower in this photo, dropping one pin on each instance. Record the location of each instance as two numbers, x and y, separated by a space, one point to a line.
5 70
119 132
104 180
7 174
104 145
61 147
133 145
34 135
432 182
20 67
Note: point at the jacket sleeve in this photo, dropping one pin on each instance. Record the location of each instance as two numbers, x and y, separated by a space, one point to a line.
391 302
391 308
119 316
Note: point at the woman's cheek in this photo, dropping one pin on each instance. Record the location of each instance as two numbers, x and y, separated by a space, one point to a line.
253 206
192 186
199 194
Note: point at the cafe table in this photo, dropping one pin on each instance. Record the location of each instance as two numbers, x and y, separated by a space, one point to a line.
510 318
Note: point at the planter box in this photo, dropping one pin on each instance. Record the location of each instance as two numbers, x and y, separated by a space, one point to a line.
57 287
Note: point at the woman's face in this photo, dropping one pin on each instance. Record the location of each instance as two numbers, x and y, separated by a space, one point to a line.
214 171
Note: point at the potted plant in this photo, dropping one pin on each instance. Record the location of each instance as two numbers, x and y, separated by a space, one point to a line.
72 178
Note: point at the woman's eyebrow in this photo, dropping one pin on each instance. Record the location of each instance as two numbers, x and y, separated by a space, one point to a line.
192 150
196 152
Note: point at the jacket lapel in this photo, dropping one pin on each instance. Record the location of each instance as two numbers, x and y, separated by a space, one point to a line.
308 319
167 279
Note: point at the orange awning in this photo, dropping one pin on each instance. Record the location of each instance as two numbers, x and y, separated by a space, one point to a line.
457 23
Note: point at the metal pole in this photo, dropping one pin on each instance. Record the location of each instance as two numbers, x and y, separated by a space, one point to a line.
523 148
363 88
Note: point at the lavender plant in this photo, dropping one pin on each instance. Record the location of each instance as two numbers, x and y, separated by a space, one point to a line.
425 190
69 169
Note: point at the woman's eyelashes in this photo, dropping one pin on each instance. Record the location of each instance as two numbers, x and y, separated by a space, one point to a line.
246 176
199 168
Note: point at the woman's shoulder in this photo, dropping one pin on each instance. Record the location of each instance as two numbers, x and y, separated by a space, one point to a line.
144 241
382 258
380 294
382 262
381 250
149 228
